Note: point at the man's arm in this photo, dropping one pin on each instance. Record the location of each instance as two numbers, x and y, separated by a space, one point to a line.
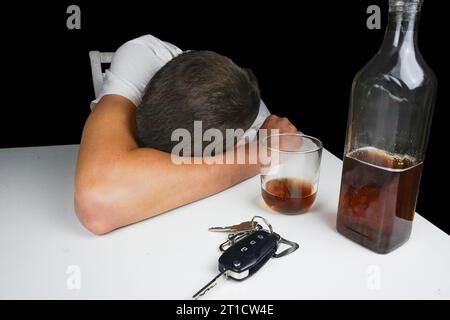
117 183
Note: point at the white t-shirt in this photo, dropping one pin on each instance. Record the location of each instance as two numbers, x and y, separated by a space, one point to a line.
136 62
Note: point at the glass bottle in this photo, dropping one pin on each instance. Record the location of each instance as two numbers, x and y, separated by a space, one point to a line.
391 107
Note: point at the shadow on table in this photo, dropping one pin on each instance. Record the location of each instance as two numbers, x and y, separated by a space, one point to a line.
328 218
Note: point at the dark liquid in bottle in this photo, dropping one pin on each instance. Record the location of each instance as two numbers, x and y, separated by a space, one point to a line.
378 198
288 195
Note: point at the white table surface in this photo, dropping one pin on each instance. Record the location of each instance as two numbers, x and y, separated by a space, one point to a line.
173 255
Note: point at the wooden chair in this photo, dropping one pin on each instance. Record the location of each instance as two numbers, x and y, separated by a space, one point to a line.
97 59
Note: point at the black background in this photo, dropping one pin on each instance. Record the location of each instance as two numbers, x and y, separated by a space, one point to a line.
304 53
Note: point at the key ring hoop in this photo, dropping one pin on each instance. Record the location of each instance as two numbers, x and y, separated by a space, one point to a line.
265 222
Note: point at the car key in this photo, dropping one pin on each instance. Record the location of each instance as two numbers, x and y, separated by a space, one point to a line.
244 258
241 227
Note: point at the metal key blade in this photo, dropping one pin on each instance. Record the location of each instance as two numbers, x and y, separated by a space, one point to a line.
241 227
210 285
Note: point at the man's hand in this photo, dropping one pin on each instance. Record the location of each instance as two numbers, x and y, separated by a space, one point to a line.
282 124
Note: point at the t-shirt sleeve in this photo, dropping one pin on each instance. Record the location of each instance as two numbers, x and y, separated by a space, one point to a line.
263 113
132 67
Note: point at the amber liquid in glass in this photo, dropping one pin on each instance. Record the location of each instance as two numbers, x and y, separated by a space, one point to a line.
289 195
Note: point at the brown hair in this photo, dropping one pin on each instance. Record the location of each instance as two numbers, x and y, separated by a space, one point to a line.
194 86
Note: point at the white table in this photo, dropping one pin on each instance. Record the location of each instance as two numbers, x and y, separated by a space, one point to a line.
43 247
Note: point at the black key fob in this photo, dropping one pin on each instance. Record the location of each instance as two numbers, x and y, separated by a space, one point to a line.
245 257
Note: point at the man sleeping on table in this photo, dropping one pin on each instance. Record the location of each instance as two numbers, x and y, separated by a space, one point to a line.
125 170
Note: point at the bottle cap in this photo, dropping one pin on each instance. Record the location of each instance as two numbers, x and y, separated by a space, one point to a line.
405 5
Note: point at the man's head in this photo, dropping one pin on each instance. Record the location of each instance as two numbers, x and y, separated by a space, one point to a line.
196 86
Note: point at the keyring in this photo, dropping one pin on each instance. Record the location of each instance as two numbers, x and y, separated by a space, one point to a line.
265 221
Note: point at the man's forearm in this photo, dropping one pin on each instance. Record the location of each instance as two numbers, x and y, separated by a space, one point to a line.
117 183
144 183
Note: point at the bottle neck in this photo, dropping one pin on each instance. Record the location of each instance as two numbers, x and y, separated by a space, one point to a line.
401 31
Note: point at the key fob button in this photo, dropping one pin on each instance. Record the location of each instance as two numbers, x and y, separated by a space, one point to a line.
236 263
260 236
252 242
243 249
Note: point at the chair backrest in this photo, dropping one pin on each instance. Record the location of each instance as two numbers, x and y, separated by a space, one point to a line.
97 58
